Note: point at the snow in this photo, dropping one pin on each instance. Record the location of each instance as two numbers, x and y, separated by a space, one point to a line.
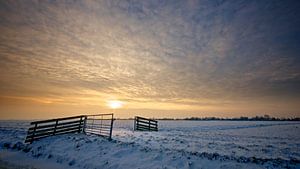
178 144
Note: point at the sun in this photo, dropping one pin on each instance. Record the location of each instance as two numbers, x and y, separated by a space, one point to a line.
115 104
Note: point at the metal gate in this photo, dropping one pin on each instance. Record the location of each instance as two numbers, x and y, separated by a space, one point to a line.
99 124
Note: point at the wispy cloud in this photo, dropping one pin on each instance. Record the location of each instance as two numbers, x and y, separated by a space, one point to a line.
191 53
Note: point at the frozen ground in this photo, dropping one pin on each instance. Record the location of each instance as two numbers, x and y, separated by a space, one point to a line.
178 144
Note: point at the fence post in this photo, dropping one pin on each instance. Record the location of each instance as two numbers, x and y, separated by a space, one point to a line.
84 124
137 123
79 127
34 129
111 126
134 124
54 131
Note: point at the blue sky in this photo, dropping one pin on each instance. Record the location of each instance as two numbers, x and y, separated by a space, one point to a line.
180 58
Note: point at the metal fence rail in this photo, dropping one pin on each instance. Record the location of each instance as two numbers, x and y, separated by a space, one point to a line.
99 124
144 124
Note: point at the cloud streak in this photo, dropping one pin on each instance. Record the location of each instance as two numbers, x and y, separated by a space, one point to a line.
192 53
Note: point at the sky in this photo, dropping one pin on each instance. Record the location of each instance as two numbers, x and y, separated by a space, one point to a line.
156 58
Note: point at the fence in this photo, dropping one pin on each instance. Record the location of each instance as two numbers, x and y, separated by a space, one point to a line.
100 124
45 128
75 124
144 124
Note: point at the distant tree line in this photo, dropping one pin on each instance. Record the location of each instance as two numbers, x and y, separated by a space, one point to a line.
242 118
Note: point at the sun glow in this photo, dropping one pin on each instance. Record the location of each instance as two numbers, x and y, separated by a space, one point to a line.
115 104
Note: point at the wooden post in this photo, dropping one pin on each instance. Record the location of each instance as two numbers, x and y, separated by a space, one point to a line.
137 123
134 124
34 129
111 126
54 131
79 126
84 124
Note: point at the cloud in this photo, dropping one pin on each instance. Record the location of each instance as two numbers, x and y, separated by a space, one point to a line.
208 52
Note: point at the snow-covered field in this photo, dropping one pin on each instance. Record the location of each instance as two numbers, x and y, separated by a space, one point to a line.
178 144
